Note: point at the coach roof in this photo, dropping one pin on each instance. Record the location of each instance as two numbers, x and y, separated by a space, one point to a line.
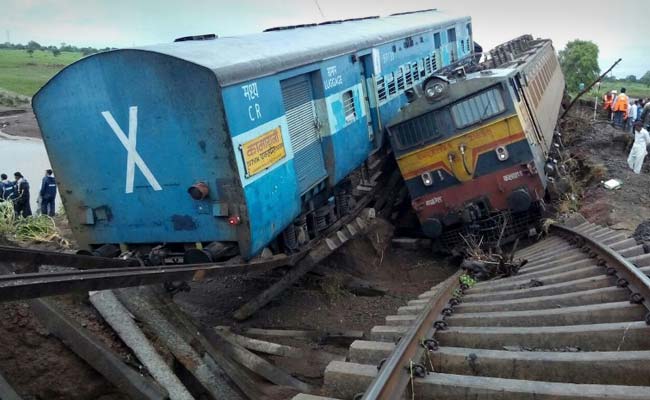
239 58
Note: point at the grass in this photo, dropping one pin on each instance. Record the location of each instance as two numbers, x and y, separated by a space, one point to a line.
24 75
634 89
35 229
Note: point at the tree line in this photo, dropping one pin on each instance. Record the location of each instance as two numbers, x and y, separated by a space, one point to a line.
645 79
579 62
33 46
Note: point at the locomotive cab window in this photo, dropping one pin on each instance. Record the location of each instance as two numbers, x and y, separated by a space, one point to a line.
478 108
348 106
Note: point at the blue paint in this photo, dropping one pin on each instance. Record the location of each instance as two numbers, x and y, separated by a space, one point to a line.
272 204
241 111
189 130
349 148
177 126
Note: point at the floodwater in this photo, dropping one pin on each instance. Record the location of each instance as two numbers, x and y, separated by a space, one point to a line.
28 156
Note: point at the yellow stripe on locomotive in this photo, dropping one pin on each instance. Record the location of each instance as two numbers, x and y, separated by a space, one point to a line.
476 142
473 148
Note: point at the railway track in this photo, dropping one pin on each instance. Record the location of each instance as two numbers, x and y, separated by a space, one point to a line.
572 324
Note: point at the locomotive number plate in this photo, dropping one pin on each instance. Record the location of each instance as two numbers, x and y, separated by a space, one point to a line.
263 151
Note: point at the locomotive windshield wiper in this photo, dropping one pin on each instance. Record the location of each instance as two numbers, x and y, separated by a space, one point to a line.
462 154
480 120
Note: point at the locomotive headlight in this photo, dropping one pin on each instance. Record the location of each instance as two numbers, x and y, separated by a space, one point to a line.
427 179
432 91
435 88
502 153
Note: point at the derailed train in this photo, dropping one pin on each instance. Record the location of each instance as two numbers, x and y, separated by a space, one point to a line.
245 142
474 149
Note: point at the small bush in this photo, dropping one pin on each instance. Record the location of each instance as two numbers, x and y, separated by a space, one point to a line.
39 228
7 219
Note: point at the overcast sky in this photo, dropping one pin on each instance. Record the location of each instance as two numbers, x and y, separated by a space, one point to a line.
620 29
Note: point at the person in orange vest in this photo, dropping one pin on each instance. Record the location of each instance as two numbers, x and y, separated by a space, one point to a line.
608 99
620 106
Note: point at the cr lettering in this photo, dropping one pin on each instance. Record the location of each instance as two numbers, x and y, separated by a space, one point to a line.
254 112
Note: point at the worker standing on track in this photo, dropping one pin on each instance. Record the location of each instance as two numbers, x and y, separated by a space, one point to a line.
7 188
21 203
608 100
639 148
48 193
620 106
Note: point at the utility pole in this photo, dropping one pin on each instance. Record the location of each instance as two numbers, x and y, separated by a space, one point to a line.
8 36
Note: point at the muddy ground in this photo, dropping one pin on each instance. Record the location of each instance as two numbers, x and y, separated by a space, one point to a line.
35 362
603 151
19 122
39 366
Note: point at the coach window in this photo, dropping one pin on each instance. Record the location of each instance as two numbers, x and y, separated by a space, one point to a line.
348 106
451 35
436 40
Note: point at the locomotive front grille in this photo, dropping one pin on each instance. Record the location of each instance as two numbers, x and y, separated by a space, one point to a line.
488 230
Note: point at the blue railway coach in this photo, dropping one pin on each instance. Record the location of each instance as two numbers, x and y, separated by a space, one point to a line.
231 139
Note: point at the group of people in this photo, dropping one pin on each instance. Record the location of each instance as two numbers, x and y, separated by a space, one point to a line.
623 112
17 192
633 116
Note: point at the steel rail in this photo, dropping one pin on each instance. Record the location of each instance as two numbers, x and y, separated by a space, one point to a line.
34 285
636 281
30 259
395 372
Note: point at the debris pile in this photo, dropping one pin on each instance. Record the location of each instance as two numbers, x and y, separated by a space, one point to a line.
483 265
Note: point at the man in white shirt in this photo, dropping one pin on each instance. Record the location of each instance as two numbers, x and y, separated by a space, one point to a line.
639 148
631 116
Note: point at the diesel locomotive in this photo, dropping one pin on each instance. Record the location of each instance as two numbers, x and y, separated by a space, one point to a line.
473 146
239 142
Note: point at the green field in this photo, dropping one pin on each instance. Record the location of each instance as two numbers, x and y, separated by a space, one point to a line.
22 74
634 89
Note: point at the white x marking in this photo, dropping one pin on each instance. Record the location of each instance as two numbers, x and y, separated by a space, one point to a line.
133 158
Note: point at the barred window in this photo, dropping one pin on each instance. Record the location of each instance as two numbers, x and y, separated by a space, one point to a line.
422 68
399 78
415 71
391 84
478 108
408 78
381 88
348 106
